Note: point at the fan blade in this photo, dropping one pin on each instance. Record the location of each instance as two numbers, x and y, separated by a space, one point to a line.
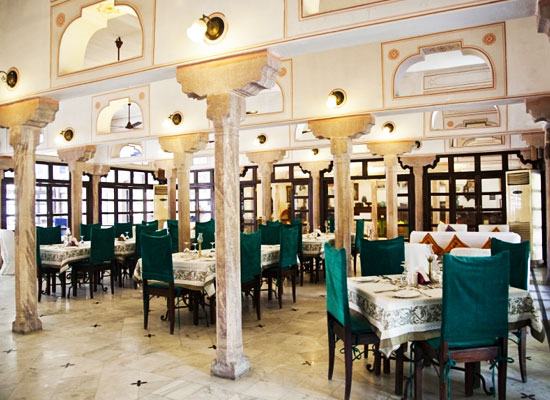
135 124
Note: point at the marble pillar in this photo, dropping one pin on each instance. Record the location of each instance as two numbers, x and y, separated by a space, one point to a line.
417 163
340 131
183 147
265 161
543 17
314 168
24 120
539 109
390 152
75 157
374 207
170 173
5 163
225 83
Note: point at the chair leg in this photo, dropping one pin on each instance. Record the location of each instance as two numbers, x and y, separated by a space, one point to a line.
63 279
280 292
213 310
386 365
469 379
48 283
196 301
522 349
39 285
293 279
145 307
93 282
53 282
349 366
502 370
399 359
257 299
443 358
171 311
418 364
269 287
113 271
74 275
331 348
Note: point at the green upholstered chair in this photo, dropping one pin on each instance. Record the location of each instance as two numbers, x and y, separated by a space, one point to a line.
172 225
474 324
356 245
141 229
519 278
45 236
251 267
154 223
271 234
288 264
123 228
208 230
341 325
273 223
86 229
382 257
156 262
102 257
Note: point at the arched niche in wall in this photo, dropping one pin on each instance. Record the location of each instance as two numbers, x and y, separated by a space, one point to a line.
465 118
104 33
126 150
268 101
443 68
313 7
121 115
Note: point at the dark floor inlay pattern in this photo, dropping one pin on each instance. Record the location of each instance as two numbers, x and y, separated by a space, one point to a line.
67 365
9 351
138 383
149 335
527 396
95 326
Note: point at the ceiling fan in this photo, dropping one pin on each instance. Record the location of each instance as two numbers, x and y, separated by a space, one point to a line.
131 125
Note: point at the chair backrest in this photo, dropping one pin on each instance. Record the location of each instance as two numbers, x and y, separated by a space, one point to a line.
337 284
51 235
271 234
475 299
382 257
288 253
156 261
273 223
123 228
102 246
519 261
140 229
154 223
331 224
297 223
172 225
86 230
208 230
452 228
493 228
251 256
359 232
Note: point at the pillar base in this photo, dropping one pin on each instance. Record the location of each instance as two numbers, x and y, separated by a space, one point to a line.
27 326
233 370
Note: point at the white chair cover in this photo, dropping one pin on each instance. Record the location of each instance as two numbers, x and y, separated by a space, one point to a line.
7 246
470 252
456 227
416 256
489 228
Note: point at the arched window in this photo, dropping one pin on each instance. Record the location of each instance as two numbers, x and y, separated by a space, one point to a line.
443 69
120 115
130 150
103 34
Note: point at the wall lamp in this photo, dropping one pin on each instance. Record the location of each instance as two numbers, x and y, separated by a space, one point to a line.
336 98
388 128
315 151
176 117
11 77
67 134
206 27
261 139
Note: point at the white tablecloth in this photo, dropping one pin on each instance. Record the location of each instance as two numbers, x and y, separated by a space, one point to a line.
314 245
397 321
7 246
61 255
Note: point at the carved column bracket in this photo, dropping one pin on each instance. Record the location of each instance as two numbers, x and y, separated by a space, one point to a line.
340 131
75 157
24 120
170 173
543 17
265 161
390 151
96 171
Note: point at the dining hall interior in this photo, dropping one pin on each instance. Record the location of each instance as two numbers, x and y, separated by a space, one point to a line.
278 199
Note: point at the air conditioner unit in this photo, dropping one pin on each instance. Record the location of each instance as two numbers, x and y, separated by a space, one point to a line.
524 208
160 204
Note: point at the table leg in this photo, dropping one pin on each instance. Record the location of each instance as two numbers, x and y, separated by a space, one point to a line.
399 360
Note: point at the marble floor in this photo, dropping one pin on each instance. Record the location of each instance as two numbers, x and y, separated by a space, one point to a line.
98 349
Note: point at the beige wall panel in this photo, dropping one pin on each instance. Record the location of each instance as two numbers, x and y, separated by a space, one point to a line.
63 14
356 70
249 23
277 138
489 40
407 126
25 46
529 62
429 132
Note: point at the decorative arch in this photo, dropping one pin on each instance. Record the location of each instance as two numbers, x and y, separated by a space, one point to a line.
84 45
114 117
268 101
465 118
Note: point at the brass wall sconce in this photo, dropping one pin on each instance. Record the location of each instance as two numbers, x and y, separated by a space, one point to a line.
336 98
315 151
67 134
388 128
209 28
176 117
261 139
11 77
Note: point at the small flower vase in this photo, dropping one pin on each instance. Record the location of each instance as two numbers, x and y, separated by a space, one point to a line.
199 241
430 270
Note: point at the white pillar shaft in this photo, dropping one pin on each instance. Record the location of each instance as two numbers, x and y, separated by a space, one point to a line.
391 201
342 202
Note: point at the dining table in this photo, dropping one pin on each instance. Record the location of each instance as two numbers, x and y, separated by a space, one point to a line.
62 255
401 313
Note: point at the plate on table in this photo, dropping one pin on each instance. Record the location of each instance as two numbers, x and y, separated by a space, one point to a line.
365 279
406 294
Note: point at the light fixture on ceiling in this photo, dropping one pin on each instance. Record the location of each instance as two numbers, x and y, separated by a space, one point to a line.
388 128
315 151
176 117
11 77
67 134
207 27
336 98
261 139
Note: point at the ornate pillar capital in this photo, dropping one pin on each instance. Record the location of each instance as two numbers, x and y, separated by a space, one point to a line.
417 162
266 157
543 17
390 150
539 108
315 167
72 155
37 112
